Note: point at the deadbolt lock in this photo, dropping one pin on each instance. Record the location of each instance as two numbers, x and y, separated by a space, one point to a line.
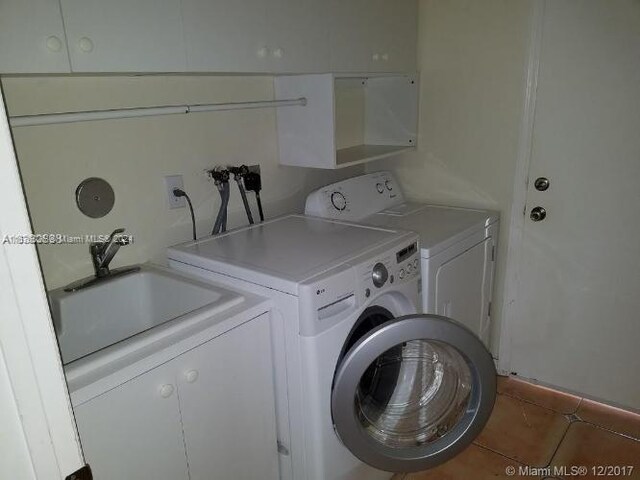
541 184
538 214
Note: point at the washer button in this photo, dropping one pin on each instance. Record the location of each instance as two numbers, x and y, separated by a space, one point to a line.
409 268
415 264
401 274
379 187
367 293
391 279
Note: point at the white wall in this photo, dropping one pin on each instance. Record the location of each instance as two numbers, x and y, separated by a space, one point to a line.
135 154
471 63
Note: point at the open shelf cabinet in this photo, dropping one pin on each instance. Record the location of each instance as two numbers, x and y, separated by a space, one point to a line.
348 119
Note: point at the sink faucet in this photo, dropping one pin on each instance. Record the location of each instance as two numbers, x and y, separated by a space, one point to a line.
103 252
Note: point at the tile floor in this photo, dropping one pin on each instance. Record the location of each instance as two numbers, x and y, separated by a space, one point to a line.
534 426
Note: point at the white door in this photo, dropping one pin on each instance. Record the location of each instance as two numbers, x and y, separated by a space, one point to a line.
576 323
32 37
226 36
124 35
134 430
228 407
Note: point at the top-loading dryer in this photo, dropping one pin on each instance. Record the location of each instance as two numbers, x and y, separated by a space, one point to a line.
457 245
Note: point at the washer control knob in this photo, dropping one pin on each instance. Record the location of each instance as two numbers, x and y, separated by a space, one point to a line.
338 200
401 274
379 187
380 274
387 184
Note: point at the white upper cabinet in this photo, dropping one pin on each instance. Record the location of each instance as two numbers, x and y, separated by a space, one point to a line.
226 36
32 37
298 35
124 35
237 36
351 35
373 35
396 39
256 35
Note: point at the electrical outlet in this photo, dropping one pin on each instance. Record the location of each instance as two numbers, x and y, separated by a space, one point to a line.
171 182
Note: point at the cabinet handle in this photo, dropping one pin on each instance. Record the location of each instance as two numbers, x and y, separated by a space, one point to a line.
54 44
85 44
385 57
375 57
262 52
278 53
191 376
166 390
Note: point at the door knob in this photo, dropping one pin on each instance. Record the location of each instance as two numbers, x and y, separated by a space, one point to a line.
538 214
541 184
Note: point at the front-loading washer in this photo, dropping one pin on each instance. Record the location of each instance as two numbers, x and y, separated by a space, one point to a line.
457 245
365 385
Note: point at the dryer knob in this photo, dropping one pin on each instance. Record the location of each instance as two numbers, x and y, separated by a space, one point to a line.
380 274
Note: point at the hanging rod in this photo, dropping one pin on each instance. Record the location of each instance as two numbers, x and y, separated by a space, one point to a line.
91 115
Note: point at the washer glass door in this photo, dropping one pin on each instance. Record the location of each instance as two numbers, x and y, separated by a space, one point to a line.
412 392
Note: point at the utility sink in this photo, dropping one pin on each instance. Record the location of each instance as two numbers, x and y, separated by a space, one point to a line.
119 308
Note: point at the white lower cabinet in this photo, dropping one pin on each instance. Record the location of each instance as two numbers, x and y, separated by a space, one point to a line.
134 431
207 414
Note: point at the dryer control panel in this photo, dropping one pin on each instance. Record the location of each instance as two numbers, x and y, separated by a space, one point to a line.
355 198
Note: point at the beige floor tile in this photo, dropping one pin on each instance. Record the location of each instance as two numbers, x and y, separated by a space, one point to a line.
589 446
611 418
474 463
522 431
543 396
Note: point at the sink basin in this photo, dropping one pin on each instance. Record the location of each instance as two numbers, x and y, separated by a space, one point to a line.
116 309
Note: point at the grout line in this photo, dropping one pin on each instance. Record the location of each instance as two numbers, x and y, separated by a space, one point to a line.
499 453
620 434
531 402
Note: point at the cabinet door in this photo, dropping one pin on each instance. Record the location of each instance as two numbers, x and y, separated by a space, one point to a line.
226 36
462 288
32 37
351 35
227 403
396 40
134 431
298 35
124 35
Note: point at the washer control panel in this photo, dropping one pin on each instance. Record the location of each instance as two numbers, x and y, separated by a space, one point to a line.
396 266
355 198
326 299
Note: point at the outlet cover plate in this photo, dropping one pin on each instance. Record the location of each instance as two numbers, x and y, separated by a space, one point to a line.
171 182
